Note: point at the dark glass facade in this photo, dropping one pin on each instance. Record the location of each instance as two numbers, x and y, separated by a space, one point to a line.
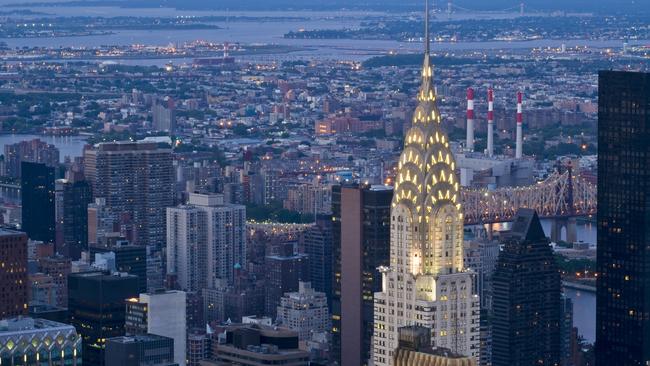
360 244
72 199
623 286
526 297
145 349
97 310
38 215
129 258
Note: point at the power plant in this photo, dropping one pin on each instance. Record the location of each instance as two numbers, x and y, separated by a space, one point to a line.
485 169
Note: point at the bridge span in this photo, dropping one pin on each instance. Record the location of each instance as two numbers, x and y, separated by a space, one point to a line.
563 196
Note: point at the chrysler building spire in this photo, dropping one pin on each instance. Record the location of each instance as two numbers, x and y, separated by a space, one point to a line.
427 184
426 283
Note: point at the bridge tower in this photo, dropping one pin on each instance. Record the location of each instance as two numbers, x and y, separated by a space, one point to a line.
449 5
565 220
521 9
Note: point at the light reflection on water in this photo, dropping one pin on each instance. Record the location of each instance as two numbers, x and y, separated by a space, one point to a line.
586 230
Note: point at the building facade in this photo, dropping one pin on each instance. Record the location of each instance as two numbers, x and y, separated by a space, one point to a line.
140 350
164 115
161 313
34 151
205 240
38 196
71 205
623 294
526 297
13 273
284 270
427 283
29 341
360 245
97 311
135 179
258 345
415 350
58 268
318 247
304 311
129 258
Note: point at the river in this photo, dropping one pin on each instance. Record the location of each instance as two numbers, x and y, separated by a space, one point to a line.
271 31
584 312
71 146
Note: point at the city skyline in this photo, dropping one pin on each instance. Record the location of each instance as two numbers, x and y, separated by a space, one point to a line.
208 183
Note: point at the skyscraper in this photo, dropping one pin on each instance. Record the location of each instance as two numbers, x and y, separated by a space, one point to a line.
426 283
164 115
360 244
526 297
97 311
72 197
34 151
13 273
38 208
137 179
205 240
623 293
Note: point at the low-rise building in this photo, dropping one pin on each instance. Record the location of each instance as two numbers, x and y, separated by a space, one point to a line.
33 341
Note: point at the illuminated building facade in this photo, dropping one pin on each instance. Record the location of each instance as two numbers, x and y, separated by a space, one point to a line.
29 341
162 313
426 283
415 350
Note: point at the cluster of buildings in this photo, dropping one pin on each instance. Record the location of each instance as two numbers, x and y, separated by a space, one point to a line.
170 250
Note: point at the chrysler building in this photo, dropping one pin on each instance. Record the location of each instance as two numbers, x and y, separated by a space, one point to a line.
426 283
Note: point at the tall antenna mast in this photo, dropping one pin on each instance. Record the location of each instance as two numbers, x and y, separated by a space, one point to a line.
426 27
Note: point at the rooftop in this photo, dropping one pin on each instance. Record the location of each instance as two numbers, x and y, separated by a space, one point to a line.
7 232
138 338
28 324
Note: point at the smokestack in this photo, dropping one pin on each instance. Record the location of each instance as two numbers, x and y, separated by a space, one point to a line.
490 117
470 119
520 122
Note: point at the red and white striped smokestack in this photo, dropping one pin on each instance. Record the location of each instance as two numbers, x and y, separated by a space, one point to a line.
470 119
490 117
520 122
